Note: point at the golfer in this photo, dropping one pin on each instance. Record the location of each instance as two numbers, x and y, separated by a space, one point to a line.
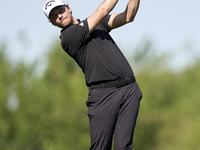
114 95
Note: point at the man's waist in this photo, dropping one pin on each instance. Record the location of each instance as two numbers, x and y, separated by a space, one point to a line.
117 83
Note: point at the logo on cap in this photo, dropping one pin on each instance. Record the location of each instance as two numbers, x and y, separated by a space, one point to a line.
49 3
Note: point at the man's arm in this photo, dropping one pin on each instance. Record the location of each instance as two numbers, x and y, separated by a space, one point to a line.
102 11
117 20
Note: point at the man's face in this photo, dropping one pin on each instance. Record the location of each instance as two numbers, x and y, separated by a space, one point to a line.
61 16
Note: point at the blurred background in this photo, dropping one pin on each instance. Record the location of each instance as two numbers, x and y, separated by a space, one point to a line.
43 92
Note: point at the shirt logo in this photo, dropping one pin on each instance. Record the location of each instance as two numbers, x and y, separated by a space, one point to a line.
81 24
49 3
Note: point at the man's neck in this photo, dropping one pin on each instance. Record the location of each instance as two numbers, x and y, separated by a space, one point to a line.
75 21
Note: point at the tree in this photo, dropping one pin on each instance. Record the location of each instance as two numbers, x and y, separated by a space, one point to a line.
48 111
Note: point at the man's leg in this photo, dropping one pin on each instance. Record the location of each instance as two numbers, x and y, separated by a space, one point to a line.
103 107
124 130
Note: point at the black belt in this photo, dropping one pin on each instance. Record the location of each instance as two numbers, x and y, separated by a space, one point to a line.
118 83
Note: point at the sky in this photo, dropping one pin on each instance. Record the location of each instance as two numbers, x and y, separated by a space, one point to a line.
173 26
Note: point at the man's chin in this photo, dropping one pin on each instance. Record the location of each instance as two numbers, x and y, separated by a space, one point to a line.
64 24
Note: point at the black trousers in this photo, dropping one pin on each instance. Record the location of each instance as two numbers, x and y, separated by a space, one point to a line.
113 112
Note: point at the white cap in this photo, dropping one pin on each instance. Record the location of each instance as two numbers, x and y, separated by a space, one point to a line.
50 4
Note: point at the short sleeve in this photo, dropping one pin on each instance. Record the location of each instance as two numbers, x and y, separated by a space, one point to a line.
74 38
104 23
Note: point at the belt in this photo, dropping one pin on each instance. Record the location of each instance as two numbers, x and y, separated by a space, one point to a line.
118 83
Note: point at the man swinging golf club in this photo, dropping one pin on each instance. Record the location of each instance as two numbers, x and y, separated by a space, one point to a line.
114 95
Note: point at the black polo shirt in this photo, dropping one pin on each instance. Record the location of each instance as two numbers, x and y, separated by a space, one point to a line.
96 53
